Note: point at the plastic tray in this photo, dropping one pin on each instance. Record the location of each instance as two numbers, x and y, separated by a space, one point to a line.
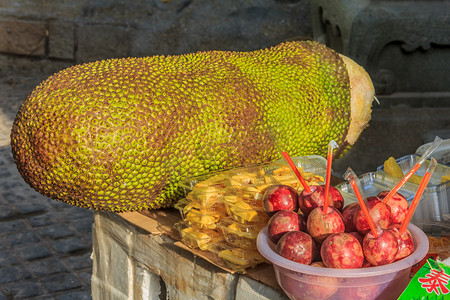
433 206
437 193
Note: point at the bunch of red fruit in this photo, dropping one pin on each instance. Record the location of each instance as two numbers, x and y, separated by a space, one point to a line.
340 237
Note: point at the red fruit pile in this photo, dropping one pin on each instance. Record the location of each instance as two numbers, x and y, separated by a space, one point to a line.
340 237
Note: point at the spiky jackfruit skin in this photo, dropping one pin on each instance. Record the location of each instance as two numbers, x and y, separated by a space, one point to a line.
120 134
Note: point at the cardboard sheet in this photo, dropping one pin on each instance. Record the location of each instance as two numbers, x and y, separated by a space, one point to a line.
162 221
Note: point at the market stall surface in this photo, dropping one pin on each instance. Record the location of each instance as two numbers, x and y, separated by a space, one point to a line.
45 245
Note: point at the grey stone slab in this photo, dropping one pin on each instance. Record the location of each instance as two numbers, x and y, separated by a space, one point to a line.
3 245
28 207
55 232
85 277
11 226
73 213
77 262
33 252
84 225
11 197
22 238
61 282
7 211
83 295
46 266
13 273
69 245
24 290
11 187
42 220
2 296
7 259
58 204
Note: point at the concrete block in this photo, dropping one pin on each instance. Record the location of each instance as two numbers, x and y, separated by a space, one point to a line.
248 289
97 42
22 37
61 43
173 293
147 285
110 267
123 256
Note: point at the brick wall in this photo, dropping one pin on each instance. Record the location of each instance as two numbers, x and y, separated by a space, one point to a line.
68 32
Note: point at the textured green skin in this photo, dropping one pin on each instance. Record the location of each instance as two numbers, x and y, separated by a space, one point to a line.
120 134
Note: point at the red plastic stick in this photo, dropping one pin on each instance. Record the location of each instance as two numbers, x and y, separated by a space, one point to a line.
364 208
331 146
294 168
420 190
437 141
401 183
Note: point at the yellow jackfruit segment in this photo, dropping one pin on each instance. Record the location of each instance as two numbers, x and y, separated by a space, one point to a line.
244 211
202 220
238 230
245 178
219 179
231 199
392 168
282 171
205 195
199 239
239 257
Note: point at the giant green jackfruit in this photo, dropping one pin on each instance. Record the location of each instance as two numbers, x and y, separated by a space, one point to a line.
120 134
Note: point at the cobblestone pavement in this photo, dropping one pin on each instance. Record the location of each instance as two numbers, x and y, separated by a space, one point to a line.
45 245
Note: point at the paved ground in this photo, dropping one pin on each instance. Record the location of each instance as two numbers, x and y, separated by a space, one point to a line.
45 245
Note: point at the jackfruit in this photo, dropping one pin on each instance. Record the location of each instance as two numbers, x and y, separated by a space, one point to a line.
120 134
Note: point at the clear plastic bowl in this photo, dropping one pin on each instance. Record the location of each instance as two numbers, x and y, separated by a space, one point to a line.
385 282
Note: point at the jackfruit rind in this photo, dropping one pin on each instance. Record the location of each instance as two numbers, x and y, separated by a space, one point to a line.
120 134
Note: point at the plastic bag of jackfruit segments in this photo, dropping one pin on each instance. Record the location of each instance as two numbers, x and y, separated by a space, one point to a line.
205 190
198 238
314 164
293 181
245 207
246 176
216 208
205 217
216 181
236 258
238 234
264 175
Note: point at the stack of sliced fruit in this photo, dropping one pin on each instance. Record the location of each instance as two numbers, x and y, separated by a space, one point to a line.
224 213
